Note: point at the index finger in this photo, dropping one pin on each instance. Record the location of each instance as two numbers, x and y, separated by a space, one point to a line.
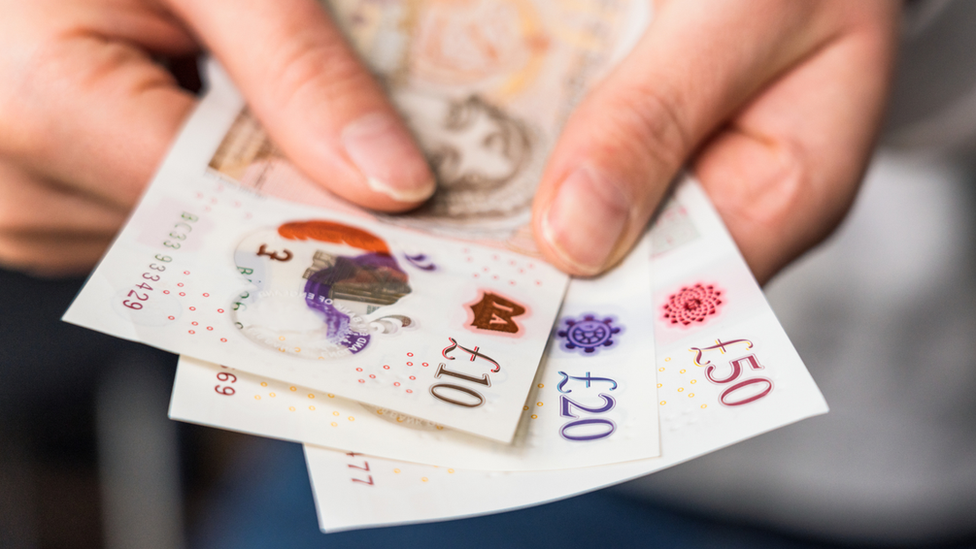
318 103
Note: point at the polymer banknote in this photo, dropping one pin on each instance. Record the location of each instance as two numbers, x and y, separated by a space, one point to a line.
440 329
591 403
338 288
726 371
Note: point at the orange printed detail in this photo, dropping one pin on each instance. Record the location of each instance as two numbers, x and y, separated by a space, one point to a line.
495 313
336 233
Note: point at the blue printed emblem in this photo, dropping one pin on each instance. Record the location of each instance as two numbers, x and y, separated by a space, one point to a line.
588 334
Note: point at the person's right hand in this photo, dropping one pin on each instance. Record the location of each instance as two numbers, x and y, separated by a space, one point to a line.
86 114
773 104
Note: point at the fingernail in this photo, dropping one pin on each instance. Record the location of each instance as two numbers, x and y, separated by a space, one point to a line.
387 156
586 219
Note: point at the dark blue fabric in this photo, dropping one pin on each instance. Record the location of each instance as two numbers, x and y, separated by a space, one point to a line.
265 501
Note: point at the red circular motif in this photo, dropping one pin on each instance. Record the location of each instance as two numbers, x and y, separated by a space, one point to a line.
206 295
409 354
166 291
426 365
171 317
192 332
220 310
359 369
182 294
362 381
410 364
186 272
193 308
409 391
180 284
396 383
210 328
413 377
224 339
195 323
692 304
386 367
372 376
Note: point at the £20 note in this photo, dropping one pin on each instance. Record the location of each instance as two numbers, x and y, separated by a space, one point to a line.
589 405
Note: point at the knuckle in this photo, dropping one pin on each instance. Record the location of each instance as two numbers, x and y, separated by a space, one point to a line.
27 102
66 74
27 254
15 255
316 70
9 218
12 210
649 119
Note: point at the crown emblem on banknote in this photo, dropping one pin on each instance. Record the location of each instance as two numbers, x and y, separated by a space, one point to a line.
692 304
587 334
495 313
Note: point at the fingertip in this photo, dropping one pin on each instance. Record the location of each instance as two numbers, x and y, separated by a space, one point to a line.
317 100
408 198
555 255
391 163
584 224
372 195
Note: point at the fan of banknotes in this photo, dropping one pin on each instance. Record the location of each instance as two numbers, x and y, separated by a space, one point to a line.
432 365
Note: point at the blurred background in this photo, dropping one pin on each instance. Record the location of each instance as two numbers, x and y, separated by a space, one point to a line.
884 314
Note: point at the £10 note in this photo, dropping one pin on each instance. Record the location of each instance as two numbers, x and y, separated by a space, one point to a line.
439 329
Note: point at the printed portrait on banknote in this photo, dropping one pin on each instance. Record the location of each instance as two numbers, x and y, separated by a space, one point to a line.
485 86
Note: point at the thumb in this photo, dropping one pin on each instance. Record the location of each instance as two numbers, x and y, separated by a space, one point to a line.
314 97
619 151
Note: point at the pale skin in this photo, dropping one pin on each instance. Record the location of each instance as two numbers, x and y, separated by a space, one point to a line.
773 104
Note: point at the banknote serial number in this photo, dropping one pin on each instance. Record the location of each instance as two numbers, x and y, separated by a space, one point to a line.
136 299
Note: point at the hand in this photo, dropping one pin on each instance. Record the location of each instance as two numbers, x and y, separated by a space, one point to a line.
87 112
774 104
